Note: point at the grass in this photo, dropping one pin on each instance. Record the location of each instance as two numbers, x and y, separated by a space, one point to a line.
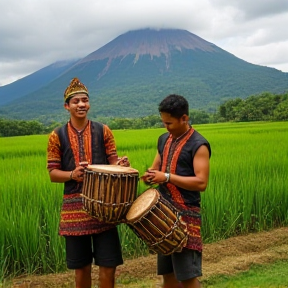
259 276
272 275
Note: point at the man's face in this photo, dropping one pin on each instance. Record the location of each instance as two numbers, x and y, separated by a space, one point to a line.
78 105
172 124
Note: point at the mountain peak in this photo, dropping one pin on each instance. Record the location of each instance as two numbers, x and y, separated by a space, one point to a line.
150 41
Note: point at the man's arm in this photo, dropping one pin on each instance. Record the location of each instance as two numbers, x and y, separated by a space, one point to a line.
60 176
201 169
193 183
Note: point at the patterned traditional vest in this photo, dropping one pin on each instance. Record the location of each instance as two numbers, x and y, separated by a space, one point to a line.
181 164
67 157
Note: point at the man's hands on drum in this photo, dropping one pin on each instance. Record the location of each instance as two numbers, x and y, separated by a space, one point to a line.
78 174
123 161
152 177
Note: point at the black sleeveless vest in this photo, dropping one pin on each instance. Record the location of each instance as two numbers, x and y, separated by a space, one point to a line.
67 158
184 165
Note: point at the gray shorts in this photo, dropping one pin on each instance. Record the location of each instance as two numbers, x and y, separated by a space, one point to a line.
104 248
185 265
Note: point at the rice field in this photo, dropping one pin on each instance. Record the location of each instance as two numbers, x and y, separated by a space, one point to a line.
247 191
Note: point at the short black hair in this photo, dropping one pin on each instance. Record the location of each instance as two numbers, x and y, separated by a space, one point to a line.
175 105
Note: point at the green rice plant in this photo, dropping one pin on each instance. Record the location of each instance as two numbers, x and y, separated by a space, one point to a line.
21 146
246 191
27 215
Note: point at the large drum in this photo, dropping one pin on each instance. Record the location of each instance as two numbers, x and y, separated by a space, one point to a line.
157 223
109 191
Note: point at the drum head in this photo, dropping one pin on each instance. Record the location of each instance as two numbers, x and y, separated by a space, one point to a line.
142 204
112 169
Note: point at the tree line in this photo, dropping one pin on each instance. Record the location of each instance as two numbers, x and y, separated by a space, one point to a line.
263 107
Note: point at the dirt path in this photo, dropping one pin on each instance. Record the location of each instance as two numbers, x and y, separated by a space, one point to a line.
229 256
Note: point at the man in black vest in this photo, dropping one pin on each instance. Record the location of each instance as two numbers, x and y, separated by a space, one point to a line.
83 141
181 168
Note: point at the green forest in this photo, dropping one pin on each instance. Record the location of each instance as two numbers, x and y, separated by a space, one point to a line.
263 107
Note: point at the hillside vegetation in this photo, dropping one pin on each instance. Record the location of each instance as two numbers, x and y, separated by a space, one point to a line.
264 107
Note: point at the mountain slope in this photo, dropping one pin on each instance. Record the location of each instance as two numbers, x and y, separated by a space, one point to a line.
33 82
129 76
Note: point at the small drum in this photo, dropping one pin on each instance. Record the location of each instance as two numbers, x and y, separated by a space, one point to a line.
109 191
156 222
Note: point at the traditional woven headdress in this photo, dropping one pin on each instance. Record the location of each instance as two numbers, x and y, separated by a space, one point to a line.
75 87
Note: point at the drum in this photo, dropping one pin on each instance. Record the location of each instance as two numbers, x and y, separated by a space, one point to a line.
157 223
109 191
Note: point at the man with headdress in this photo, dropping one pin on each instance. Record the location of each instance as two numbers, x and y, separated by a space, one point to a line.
78 141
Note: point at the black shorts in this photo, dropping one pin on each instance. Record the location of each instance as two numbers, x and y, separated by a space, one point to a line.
104 248
185 265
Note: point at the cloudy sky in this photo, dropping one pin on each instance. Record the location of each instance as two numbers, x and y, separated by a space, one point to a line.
36 33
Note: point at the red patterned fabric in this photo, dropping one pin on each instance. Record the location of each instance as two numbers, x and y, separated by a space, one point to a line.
76 221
